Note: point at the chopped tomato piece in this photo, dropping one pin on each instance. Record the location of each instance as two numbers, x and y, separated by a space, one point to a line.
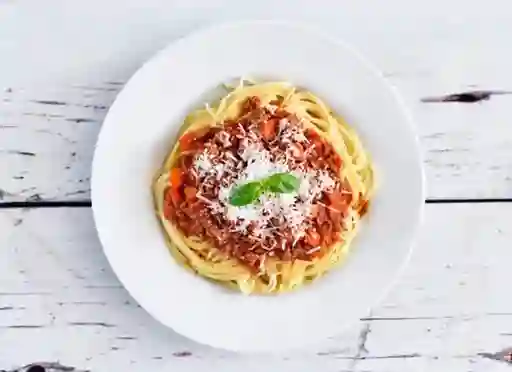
318 144
187 140
337 161
167 204
175 196
176 177
338 201
167 211
311 134
190 193
268 128
335 215
313 238
186 161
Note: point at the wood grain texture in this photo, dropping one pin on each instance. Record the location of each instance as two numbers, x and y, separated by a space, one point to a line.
62 64
60 302
55 92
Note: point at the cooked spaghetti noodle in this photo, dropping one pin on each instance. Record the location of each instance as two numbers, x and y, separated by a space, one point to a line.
280 241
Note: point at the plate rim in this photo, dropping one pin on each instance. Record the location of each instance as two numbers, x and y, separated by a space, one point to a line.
319 34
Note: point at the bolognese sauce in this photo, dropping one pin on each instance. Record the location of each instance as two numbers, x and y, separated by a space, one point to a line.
263 140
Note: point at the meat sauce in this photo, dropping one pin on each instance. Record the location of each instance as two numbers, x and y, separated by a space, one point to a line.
187 198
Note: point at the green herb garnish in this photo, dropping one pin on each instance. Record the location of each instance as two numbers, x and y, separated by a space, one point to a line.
246 194
279 183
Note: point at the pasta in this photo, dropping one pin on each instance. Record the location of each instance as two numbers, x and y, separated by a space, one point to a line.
352 178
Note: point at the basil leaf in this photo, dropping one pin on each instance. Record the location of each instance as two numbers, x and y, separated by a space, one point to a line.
245 194
282 183
250 192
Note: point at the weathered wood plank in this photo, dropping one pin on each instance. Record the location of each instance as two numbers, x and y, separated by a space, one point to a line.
50 114
59 301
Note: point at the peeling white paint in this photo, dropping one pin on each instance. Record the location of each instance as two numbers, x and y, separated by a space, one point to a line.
424 48
63 303
59 300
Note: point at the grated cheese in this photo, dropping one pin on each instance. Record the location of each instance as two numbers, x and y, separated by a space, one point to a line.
202 163
253 162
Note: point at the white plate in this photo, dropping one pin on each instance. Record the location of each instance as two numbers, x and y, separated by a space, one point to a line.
140 129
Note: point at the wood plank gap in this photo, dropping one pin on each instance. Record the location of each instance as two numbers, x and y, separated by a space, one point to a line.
46 204
473 200
87 203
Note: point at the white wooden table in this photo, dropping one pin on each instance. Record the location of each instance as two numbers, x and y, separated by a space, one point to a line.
62 64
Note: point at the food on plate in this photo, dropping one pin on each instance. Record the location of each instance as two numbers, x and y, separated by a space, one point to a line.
264 191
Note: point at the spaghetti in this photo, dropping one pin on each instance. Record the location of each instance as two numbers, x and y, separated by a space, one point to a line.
271 239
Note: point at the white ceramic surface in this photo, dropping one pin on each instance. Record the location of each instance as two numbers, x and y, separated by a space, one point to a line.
140 128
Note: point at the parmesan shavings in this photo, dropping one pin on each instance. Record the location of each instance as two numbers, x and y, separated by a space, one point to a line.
254 162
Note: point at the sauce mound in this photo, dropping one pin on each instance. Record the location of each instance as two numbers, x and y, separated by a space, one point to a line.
264 140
